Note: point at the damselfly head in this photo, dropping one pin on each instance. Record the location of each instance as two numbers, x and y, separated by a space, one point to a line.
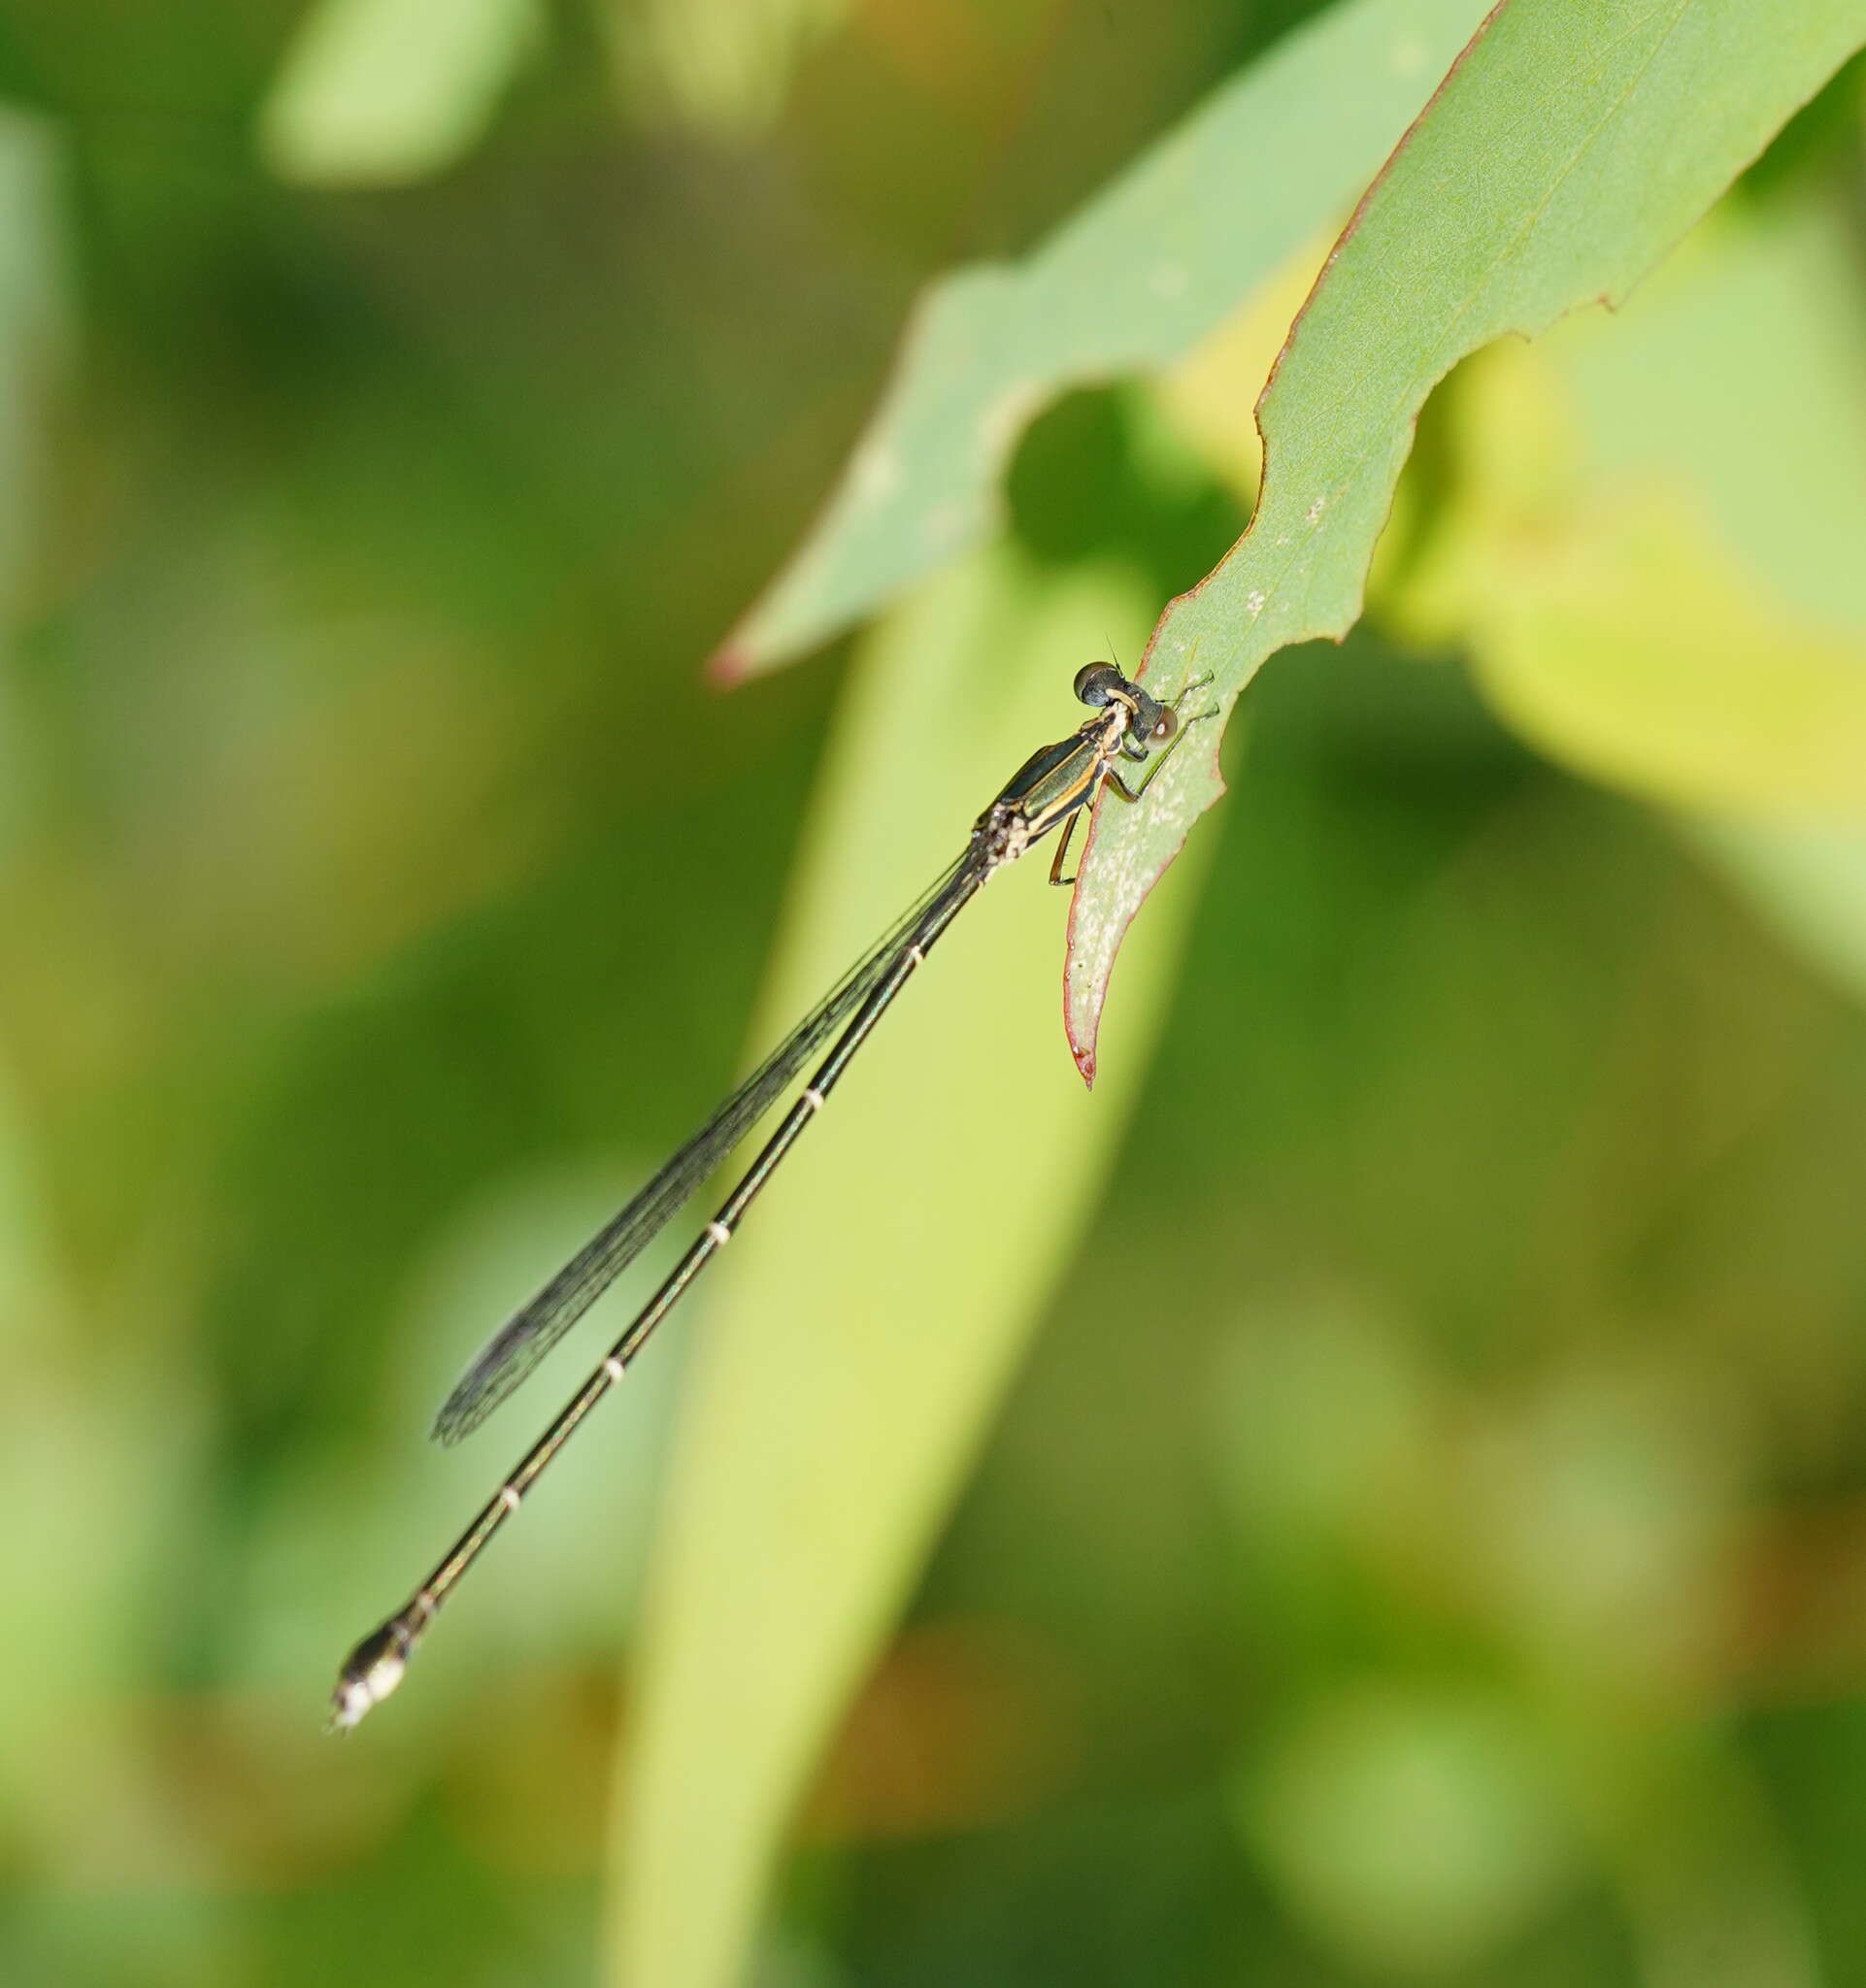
1100 684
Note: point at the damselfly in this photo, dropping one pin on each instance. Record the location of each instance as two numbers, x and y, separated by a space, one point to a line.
1050 790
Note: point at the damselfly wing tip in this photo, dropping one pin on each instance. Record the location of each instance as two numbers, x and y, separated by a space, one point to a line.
463 1412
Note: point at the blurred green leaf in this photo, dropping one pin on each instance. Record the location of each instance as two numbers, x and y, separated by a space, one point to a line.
33 334
1810 882
33 324
873 1319
1650 549
1653 554
1569 150
1737 368
379 92
1631 651
1413 1830
1145 271
719 65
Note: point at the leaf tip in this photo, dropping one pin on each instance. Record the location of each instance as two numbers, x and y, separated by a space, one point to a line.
728 666
1081 1015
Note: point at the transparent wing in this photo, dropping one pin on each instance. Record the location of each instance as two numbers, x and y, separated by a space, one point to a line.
508 1358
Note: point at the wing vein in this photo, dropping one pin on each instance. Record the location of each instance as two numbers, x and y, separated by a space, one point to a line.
509 1356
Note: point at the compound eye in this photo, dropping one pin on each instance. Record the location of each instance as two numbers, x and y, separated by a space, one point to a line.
1169 724
1098 682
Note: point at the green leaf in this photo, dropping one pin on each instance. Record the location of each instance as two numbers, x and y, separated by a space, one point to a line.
384 91
1132 283
874 1310
1651 552
1571 146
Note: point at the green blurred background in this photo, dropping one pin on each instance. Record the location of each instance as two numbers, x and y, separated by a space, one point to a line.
1427 1540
